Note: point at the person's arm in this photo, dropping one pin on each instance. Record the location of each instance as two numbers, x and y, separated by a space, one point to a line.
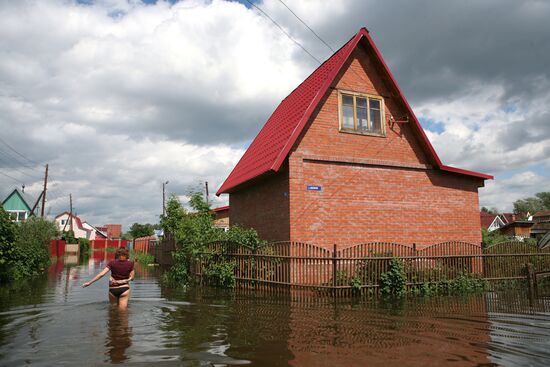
97 277
125 281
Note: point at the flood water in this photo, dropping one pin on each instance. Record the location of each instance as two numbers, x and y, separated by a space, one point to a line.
53 321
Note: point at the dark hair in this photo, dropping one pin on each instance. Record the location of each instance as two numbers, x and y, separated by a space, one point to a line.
122 251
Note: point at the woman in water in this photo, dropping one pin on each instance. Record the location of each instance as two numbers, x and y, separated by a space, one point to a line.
122 272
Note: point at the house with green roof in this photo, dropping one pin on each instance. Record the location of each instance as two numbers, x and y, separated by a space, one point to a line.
18 205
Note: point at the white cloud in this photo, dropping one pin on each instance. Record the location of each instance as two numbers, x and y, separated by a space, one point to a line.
120 96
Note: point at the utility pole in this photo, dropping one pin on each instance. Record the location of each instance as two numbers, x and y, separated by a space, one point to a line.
164 197
206 191
44 193
71 213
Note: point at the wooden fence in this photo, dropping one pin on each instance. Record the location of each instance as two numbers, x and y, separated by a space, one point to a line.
306 266
162 250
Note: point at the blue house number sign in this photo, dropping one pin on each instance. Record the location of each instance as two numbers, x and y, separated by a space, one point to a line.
314 188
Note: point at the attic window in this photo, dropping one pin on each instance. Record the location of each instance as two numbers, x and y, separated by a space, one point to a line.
361 113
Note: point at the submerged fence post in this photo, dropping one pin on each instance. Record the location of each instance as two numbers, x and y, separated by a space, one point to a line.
531 280
334 282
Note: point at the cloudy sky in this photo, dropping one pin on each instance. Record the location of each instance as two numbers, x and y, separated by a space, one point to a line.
119 96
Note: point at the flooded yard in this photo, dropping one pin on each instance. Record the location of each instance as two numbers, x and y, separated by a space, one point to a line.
53 321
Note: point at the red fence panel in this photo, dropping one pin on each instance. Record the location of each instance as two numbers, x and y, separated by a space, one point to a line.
104 243
57 248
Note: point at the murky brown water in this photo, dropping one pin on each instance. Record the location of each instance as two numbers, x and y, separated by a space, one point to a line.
55 322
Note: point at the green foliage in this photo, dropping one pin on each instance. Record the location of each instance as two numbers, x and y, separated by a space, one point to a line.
142 257
394 281
247 237
492 210
141 230
355 284
29 254
193 230
69 237
84 246
461 285
540 202
221 274
492 238
7 239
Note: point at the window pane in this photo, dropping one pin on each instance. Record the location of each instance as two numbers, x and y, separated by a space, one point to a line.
362 123
347 116
374 103
375 119
361 102
347 100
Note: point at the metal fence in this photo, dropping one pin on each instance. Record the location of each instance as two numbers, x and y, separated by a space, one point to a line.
307 266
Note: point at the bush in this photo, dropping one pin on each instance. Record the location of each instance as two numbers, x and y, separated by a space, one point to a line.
394 281
221 274
7 239
84 246
30 254
193 231
142 257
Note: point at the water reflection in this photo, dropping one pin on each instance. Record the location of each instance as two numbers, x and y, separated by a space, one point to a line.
119 334
54 321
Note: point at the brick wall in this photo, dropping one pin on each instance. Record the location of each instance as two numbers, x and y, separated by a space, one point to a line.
264 206
365 204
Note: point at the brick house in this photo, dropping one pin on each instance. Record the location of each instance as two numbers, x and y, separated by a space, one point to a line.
344 160
221 217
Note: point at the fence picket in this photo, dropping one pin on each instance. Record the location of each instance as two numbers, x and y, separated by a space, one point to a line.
307 266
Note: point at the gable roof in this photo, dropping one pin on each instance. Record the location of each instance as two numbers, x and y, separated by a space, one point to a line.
25 198
487 219
273 143
77 220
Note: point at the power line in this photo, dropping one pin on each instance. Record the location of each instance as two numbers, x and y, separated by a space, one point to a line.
11 156
284 32
16 152
13 178
308 27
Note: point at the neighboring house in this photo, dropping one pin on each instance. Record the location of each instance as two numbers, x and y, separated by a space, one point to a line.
95 232
114 231
344 160
490 221
63 222
19 205
541 224
221 217
519 229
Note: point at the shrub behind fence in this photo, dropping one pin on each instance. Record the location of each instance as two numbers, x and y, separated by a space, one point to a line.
307 266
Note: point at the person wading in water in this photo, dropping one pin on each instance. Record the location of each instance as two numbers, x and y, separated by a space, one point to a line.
122 272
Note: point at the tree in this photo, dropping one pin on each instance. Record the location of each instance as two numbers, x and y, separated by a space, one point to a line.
492 210
193 230
7 238
540 202
141 230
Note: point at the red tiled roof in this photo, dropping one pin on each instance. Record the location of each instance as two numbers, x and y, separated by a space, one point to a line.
221 208
541 214
273 143
508 217
486 219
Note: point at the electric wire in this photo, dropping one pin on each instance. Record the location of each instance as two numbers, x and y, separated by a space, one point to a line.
283 30
307 26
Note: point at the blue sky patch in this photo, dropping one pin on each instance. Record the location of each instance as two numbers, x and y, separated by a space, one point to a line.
432 125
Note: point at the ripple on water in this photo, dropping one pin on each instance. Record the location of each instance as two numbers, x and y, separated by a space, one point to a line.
60 323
